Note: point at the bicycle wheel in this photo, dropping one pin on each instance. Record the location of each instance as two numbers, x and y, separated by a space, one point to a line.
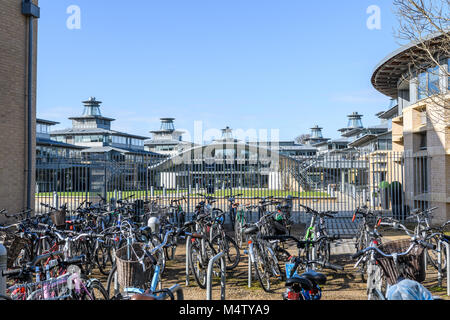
199 262
231 249
113 288
171 248
103 259
376 283
96 290
323 249
160 255
198 266
238 234
261 267
433 255
273 264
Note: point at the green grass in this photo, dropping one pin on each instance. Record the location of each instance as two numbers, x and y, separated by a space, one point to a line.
259 193
245 193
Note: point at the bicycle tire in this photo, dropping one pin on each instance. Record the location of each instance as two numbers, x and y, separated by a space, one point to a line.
432 254
238 234
273 264
262 274
199 264
119 294
103 259
96 285
230 247
197 267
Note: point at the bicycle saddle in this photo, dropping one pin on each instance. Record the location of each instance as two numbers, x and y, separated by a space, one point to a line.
303 282
315 277
141 297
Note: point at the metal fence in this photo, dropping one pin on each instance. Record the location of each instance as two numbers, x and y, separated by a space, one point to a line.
383 180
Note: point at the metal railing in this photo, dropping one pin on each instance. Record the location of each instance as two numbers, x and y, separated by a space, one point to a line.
391 181
209 275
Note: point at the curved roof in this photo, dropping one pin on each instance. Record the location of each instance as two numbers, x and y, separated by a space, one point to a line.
390 70
217 145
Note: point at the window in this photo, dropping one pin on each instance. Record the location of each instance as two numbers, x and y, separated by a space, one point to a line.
433 81
92 111
428 83
84 139
119 139
60 139
42 128
422 89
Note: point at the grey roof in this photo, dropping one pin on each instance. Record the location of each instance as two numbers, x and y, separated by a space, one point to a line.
106 149
165 142
298 147
73 131
53 143
388 114
91 117
52 123
368 137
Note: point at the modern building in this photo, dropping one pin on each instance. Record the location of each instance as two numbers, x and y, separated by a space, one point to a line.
416 131
93 132
17 103
167 140
316 136
47 148
373 138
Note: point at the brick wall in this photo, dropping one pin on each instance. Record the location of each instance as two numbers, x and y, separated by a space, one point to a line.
13 107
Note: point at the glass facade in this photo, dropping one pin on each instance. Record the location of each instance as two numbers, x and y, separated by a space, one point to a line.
92 111
42 128
428 83
90 138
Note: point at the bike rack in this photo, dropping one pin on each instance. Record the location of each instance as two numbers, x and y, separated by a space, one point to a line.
222 276
249 268
3 266
447 248
188 262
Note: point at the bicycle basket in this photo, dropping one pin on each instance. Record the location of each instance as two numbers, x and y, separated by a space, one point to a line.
58 218
130 271
412 266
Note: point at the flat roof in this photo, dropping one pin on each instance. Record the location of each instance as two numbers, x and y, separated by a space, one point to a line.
52 123
99 131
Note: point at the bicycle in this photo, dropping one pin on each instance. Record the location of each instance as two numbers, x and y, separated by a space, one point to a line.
397 265
263 253
306 286
316 230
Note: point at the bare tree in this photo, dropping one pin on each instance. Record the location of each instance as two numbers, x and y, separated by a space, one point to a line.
426 24
301 139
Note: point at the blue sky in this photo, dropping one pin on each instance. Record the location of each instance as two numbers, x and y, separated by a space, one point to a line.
247 64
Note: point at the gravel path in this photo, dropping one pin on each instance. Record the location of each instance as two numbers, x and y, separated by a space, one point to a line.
341 285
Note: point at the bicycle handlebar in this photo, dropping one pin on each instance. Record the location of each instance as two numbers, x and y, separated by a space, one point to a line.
413 244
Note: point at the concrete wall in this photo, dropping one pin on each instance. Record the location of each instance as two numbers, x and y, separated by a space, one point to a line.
13 106
438 147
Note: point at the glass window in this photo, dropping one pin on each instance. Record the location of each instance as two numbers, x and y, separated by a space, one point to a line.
422 89
433 81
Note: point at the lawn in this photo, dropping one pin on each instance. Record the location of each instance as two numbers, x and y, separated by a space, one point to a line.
245 193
